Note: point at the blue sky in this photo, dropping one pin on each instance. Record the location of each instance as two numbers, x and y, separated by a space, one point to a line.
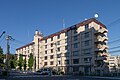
20 18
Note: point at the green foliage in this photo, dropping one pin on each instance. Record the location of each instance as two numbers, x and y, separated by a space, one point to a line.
30 61
20 62
1 58
15 62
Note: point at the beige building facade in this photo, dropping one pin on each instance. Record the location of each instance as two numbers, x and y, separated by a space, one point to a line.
79 48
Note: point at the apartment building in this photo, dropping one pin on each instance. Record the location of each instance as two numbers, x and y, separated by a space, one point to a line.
78 48
114 64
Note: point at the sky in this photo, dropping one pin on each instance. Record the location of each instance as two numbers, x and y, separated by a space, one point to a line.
20 18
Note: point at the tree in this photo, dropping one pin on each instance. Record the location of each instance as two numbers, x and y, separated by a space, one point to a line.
1 58
30 61
15 61
20 62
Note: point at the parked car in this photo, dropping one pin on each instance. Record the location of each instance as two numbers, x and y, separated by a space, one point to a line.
44 71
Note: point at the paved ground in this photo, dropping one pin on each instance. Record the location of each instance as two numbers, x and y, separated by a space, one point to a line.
38 77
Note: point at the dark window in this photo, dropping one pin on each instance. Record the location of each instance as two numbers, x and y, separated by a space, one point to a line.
45 63
45 57
86 26
59 62
86 35
58 49
51 56
51 50
51 38
75 30
45 52
46 41
75 45
75 53
58 36
51 44
87 51
75 38
87 59
45 46
58 55
66 34
51 62
75 68
66 47
66 61
87 43
67 54
75 61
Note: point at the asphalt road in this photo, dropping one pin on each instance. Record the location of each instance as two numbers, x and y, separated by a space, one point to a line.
37 77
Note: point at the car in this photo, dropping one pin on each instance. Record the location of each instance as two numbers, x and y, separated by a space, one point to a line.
44 71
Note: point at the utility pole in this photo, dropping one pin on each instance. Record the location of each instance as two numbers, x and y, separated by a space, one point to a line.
8 38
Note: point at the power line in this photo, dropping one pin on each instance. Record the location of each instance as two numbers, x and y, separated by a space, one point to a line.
115 51
114 41
114 22
114 47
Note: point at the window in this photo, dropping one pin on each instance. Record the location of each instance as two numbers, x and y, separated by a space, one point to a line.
75 68
45 52
75 45
58 62
58 43
75 30
87 43
45 46
45 63
51 62
58 36
51 56
67 54
87 51
87 59
86 35
58 55
51 38
51 50
28 51
75 38
75 53
75 61
45 57
66 47
66 61
58 49
51 44
86 26
46 41
66 34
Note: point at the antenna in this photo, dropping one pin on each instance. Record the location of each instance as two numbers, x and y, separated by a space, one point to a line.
96 15
63 24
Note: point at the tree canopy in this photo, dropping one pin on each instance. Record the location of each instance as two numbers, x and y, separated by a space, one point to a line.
30 61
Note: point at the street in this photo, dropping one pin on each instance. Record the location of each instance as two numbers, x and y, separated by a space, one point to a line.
67 77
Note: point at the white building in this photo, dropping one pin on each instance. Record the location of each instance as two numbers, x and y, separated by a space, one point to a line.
79 48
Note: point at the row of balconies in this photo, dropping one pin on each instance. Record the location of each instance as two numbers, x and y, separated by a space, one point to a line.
103 30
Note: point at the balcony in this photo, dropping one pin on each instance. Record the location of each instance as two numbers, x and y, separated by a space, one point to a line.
103 30
101 39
